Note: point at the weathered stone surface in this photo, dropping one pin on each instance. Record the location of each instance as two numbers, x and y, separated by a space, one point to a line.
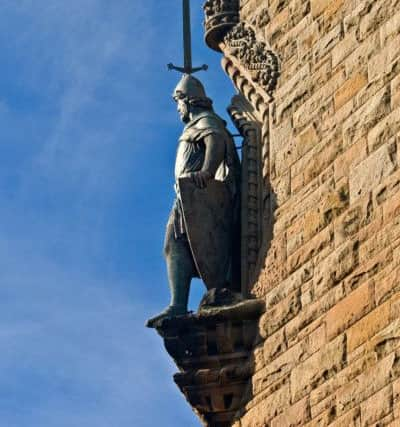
349 89
368 326
267 408
318 247
350 309
366 117
274 346
281 366
335 267
395 92
384 130
331 273
365 385
280 314
317 368
296 415
376 407
351 419
372 171
387 63
346 161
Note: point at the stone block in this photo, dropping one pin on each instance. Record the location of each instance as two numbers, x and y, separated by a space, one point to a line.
307 38
318 6
316 339
350 309
279 368
351 419
352 20
374 17
318 247
290 284
349 89
364 52
368 267
322 420
372 171
357 216
387 62
303 230
314 108
274 345
390 29
335 268
384 130
278 25
297 415
350 158
395 304
352 370
333 14
317 160
387 189
395 92
322 406
380 240
368 326
318 368
365 385
396 390
343 49
311 316
376 407
280 314
366 117
387 282
294 89
267 408
281 188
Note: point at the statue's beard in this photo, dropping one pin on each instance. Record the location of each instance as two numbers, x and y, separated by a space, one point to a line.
185 114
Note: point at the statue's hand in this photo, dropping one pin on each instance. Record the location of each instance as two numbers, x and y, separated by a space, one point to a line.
200 178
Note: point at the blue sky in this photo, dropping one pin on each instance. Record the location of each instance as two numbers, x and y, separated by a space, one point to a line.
87 145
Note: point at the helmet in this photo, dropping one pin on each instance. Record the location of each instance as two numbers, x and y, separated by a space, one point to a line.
189 87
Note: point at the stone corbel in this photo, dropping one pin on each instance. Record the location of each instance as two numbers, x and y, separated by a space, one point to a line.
212 349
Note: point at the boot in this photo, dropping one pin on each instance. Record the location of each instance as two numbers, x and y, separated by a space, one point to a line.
180 273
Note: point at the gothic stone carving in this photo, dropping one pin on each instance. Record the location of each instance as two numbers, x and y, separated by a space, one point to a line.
212 350
254 55
243 116
220 17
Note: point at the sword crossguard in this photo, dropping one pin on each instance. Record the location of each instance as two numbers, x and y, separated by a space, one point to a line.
185 70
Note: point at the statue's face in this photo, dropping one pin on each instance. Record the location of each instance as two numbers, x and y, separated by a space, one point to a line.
183 110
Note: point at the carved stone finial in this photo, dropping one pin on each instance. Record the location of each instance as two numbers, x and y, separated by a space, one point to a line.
256 56
220 17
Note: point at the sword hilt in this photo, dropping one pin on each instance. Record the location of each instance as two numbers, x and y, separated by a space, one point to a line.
187 70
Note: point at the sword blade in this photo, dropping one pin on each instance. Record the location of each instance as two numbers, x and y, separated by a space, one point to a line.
187 37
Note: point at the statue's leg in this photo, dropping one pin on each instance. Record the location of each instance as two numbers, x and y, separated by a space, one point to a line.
180 267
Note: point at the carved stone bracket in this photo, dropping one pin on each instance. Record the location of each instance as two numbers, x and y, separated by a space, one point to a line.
225 33
220 17
256 57
212 350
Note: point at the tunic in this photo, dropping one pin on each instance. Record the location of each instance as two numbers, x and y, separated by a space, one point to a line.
190 158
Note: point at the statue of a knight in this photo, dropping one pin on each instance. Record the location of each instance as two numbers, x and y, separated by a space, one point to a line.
202 230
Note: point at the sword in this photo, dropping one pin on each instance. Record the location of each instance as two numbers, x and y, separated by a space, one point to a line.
187 44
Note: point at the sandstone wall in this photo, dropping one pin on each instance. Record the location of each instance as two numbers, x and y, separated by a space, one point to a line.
330 350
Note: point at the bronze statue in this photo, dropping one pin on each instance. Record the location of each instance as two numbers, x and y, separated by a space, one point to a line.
202 229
